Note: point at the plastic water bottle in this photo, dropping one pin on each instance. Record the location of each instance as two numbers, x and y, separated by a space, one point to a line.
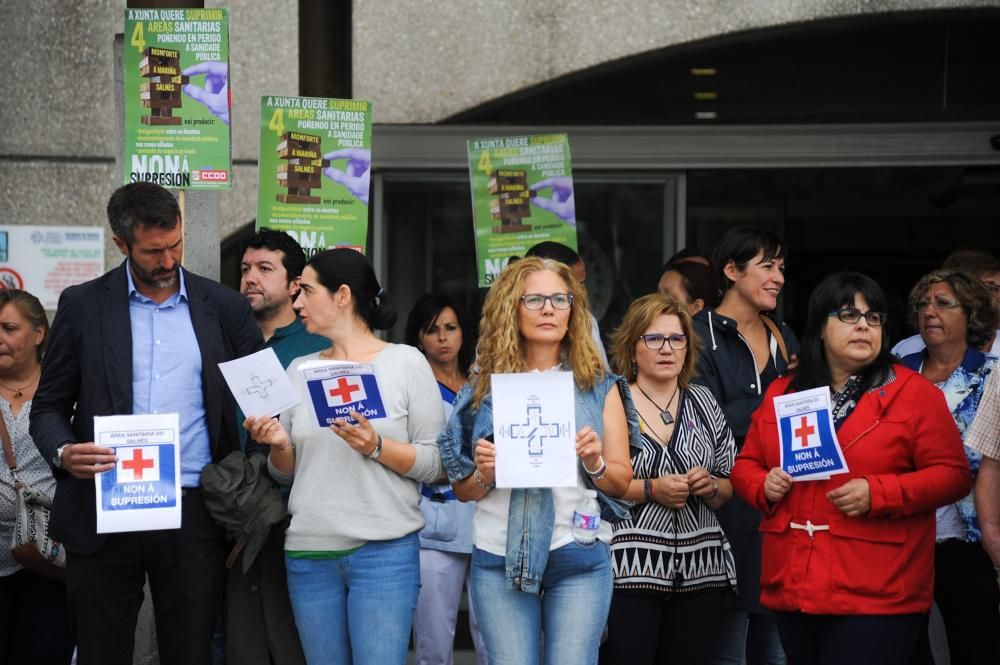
586 518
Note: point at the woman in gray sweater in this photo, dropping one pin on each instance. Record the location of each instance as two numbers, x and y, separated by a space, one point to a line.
352 551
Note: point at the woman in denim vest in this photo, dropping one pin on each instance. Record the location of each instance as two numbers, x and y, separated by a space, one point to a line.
529 576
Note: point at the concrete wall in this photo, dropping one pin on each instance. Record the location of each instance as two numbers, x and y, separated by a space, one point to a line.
418 61
424 61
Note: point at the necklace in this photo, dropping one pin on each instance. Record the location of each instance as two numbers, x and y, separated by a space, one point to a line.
652 433
18 392
664 413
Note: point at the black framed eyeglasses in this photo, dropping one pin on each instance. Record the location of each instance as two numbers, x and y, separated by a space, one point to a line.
852 315
537 300
655 341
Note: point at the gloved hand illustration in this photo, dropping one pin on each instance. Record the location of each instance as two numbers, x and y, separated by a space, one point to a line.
215 94
561 203
356 177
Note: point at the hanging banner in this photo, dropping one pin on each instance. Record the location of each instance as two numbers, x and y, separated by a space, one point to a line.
177 98
314 170
522 194
46 259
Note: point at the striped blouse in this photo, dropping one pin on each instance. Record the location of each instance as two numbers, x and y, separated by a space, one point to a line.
661 549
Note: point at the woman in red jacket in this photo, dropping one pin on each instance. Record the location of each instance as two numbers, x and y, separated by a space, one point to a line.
848 562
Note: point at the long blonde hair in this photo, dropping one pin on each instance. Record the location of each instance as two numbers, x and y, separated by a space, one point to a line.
500 349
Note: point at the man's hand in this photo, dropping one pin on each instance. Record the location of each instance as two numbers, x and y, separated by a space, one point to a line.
85 460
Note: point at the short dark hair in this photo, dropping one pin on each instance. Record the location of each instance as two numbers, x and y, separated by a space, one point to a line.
555 251
835 292
423 315
339 266
30 308
684 256
698 280
144 204
975 298
740 245
293 258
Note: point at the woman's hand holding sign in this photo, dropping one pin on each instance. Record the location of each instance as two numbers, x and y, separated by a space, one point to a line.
777 483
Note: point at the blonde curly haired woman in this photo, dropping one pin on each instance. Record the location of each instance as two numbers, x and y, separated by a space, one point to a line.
529 576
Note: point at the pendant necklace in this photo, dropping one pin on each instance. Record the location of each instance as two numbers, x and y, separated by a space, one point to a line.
664 413
20 391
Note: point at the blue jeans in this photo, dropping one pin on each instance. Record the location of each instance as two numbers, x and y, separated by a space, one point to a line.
746 638
359 608
571 610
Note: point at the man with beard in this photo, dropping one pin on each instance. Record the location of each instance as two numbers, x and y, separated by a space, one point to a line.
260 626
269 278
145 337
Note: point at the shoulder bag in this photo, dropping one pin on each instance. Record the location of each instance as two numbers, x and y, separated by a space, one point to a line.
31 544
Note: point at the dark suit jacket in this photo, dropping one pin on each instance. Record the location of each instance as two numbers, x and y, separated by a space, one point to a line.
87 372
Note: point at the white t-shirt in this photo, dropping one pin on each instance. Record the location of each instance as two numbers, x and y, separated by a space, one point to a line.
490 521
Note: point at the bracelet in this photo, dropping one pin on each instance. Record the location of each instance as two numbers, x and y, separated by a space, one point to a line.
647 489
598 473
285 447
715 487
479 481
377 450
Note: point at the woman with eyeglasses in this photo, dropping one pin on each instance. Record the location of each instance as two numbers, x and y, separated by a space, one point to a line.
530 576
673 565
848 561
954 314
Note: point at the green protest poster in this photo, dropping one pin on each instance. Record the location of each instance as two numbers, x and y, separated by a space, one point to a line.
177 98
314 170
522 194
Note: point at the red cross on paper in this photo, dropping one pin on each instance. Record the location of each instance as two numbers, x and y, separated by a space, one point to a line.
137 464
344 390
804 431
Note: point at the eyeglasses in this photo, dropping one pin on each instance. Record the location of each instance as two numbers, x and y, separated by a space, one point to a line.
655 341
939 303
537 300
852 315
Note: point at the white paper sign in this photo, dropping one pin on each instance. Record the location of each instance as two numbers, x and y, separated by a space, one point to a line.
143 491
46 259
534 426
259 384
809 446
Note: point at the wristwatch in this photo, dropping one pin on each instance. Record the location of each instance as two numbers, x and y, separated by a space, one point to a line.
57 458
377 450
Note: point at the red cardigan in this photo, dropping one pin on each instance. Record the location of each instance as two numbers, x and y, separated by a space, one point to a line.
902 439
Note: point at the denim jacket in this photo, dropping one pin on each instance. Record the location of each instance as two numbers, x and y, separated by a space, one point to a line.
531 517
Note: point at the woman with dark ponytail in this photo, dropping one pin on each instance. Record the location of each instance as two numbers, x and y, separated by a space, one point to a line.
352 551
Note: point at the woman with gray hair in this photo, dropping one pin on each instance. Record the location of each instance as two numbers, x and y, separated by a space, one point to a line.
954 313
